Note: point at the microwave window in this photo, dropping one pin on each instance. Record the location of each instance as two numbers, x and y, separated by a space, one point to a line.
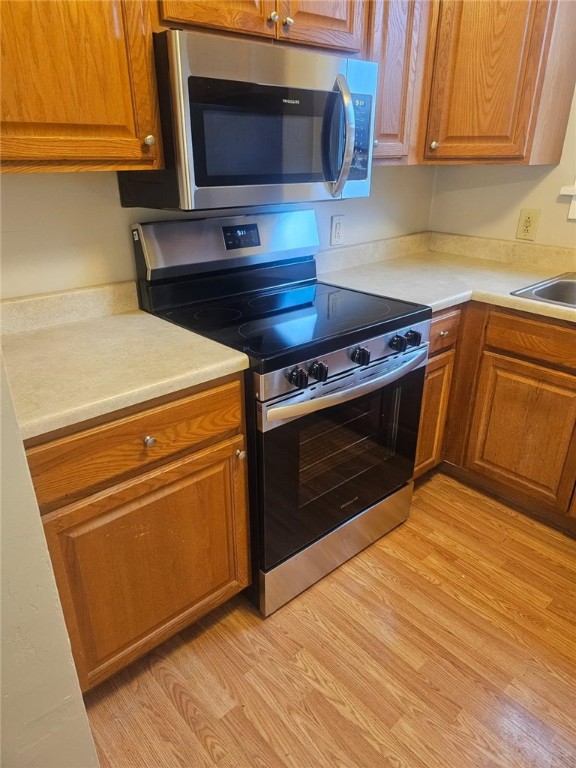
241 144
245 133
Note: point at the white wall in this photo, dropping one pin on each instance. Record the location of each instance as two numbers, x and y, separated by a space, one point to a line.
485 201
62 231
44 723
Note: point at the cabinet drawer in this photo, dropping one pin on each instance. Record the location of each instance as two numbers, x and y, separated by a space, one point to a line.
69 468
536 339
444 330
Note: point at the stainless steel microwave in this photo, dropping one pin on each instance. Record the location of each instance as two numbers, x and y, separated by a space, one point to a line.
247 123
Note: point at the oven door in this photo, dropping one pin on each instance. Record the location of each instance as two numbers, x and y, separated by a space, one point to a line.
321 469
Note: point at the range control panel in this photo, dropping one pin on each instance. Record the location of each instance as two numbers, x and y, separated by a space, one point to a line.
318 372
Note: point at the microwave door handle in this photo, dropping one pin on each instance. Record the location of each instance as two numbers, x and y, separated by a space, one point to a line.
279 412
349 134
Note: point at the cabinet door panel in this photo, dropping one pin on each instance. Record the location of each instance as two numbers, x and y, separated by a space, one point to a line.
434 410
77 84
485 81
234 15
139 562
394 46
331 23
523 429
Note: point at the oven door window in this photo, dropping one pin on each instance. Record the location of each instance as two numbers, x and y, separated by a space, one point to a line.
324 468
244 133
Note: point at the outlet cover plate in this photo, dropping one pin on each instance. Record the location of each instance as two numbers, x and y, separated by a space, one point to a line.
336 230
528 224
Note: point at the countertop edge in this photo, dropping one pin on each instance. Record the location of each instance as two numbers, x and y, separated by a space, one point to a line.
69 419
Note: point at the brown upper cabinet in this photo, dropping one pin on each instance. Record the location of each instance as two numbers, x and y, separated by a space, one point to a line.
499 82
338 24
78 86
397 41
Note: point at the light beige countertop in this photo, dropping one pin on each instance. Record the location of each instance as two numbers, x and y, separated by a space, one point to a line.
442 280
65 374
76 355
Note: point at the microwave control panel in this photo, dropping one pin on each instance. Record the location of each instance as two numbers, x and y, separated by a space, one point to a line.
362 115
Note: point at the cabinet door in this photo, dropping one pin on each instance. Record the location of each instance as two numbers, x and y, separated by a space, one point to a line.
572 510
523 430
331 24
137 563
78 88
396 26
434 410
485 80
249 16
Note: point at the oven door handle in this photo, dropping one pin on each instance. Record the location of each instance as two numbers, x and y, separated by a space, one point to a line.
279 412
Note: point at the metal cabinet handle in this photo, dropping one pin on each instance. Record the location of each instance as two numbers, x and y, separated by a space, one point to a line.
274 17
443 334
434 145
150 140
241 454
288 21
149 441
375 143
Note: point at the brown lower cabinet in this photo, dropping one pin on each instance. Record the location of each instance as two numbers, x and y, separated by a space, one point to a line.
512 414
522 433
138 560
443 338
434 409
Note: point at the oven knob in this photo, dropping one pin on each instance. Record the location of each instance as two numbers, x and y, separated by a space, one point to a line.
414 338
360 355
399 343
298 377
318 371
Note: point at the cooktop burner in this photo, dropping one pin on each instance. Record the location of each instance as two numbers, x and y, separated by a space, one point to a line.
274 323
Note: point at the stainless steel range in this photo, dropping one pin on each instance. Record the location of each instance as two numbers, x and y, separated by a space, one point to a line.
333 391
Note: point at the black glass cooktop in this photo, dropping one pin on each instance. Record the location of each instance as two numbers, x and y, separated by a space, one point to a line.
277 323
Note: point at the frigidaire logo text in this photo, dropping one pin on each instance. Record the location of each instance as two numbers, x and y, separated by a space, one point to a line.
291 101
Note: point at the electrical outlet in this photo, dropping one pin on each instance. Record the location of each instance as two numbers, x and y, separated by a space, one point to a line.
336 230
528 223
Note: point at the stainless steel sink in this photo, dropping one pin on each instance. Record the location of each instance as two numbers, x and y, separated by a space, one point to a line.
556 290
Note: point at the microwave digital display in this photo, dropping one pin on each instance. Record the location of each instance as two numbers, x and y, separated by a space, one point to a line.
245 236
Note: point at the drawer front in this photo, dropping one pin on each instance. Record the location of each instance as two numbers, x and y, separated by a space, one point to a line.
74 466
444 330
535 339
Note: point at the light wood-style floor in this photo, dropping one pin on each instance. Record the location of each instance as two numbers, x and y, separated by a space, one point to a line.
450 643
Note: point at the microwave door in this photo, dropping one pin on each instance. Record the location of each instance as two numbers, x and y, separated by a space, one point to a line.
338 136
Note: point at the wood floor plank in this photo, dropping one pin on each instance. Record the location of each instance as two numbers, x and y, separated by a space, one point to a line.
517 731
450 643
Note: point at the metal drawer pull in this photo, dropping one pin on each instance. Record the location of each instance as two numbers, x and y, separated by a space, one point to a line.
288 21
149 441
443 334
241 454
274 17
